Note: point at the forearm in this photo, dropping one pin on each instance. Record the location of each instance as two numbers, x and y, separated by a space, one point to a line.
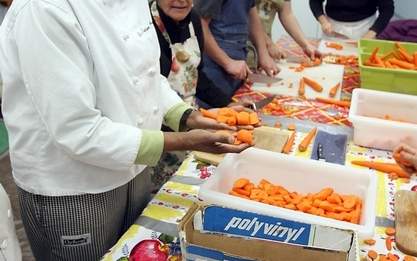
316 7
211 48
290 24
257 33
386 11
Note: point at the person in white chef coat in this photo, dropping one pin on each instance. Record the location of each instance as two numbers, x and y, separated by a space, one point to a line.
83 103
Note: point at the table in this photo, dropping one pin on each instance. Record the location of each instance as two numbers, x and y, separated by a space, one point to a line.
162 215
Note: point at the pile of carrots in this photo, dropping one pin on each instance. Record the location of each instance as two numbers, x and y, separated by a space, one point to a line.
326 203
399 58
231 117
334 45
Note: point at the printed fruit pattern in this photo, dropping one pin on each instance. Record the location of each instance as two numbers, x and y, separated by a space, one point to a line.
161 249
326 203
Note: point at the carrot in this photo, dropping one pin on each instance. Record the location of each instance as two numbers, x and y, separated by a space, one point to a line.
385 56
372 254
388 243
253 118
237 194
313 84
289 144
379 61
301 88
388 64
349 202
332 101
290 206
398 45
334 46
390 231
369 242
240 183
383 167
323 194
242 191
307 140
415 59
392 257
409 58
249 187
402 64
334 198
333 90
400 160
243 118
373 55
245 136
208 114
291 127
373 64
409 258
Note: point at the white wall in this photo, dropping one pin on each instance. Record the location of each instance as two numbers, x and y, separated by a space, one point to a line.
406 9
305 18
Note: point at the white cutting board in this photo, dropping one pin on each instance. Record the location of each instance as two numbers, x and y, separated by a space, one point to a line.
328 75
348 48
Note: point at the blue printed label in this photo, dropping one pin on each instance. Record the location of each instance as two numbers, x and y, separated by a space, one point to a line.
235 222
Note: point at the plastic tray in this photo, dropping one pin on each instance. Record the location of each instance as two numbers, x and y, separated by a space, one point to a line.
295 174
367 114
389 80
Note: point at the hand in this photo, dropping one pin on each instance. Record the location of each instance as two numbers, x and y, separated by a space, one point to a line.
238 69
275 52
197 121
268 65
326 27
311 52
202 140
370 35
409 154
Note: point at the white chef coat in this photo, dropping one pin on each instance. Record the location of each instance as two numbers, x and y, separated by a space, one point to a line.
81 79
9 245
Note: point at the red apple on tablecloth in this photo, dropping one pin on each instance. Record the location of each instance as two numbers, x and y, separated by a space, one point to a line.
149 250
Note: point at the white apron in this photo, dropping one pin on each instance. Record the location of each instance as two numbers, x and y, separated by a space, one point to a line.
353 30
185 60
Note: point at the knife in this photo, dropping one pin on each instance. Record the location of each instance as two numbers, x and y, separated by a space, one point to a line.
260 104
262 78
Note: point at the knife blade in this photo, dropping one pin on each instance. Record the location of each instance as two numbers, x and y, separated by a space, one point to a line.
263 78
262 103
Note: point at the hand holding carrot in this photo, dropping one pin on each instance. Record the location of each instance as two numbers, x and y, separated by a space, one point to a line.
406 157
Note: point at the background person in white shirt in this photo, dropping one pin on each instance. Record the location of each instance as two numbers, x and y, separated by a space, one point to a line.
83 104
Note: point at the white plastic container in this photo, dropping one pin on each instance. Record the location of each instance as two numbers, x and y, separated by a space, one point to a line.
295 174
367 114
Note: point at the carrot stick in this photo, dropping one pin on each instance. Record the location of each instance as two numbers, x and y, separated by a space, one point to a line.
333 101
208 114
385 56
374 52
402 64
333 90
289 144
383 167
399 46
301 88
369 63
307 140
313 84
409 58
388 64
379 61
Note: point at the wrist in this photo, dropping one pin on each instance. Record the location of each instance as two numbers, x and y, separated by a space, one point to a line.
226 63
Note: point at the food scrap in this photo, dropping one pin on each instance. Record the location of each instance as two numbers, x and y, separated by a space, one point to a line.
325 203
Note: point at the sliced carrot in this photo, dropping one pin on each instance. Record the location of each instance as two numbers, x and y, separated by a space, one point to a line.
372 254
302 88
253 118
335 102
307 140
238 195
383 167
390 231
245 136
290 206
333 91
326 206
288 146
409 258
291 127
323 194
249 187
243 118
369 242
240 183
388 243
242 191
392 257
313 84
209 114
334 198
349 202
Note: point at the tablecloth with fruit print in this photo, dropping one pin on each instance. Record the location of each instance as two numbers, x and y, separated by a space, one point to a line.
157 226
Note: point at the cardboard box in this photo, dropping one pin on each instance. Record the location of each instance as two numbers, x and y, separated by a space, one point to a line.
218 233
